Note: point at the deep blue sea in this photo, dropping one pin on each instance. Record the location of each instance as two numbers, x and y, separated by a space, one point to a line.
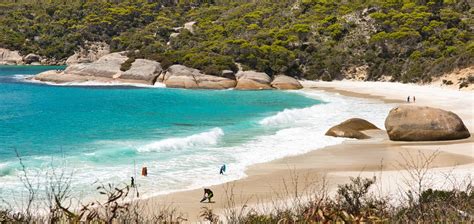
105 134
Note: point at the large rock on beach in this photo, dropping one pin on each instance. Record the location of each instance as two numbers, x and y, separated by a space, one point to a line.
252 80
106 69
180 76
107 66
144 70
285 82
56 76
351 128
416 123
8 57
91 52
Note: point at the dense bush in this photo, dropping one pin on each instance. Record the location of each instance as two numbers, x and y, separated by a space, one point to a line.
125 66
410 41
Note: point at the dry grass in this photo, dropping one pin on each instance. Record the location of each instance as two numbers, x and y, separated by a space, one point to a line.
304 199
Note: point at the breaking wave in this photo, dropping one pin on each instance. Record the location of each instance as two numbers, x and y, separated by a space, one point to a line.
208 138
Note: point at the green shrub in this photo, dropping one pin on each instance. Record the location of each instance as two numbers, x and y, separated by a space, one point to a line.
125 66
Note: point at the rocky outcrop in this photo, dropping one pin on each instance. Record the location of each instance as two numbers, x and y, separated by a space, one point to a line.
107 66
91 52
252 80
415 123
8 57
106 69
190 26
180 76
285 82
144 70
351 128
55 76
32 58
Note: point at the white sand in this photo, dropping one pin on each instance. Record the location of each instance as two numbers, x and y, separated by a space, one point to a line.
460 102
271 181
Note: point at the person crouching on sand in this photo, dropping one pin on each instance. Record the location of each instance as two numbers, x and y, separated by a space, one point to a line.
208 194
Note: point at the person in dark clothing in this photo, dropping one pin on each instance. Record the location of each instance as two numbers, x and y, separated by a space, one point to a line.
414 99
222 171
208 194
132 182
408 99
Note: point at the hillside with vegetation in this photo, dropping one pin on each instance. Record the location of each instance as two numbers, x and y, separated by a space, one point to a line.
407 41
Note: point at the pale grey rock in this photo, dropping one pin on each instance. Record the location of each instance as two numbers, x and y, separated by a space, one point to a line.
180 76
285 82
8 57
252 80
190 26
144 70
107 66
106 69
173 35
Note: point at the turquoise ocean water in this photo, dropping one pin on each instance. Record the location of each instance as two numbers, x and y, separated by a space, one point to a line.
106 134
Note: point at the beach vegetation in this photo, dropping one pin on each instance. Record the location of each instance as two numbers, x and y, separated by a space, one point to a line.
125 66
360 199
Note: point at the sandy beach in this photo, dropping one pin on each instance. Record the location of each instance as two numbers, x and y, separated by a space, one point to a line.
272 182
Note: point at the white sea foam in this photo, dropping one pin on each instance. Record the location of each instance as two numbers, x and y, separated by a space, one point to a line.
207 138
289 115
304 129
3 165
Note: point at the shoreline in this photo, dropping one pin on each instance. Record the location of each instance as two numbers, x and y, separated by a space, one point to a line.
264 182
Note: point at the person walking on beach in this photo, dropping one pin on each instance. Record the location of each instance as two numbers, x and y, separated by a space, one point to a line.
414 99
132 182
208 194
222 171
408 99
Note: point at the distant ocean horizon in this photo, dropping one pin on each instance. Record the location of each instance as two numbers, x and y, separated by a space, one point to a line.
105 134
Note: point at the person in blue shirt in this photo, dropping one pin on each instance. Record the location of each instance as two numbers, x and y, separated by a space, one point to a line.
222 171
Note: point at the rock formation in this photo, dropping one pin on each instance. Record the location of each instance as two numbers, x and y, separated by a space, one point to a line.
91 52
190 26
249 80
180 76
285 82
106 69
8 57
415 123
351 128
144 70
32 59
